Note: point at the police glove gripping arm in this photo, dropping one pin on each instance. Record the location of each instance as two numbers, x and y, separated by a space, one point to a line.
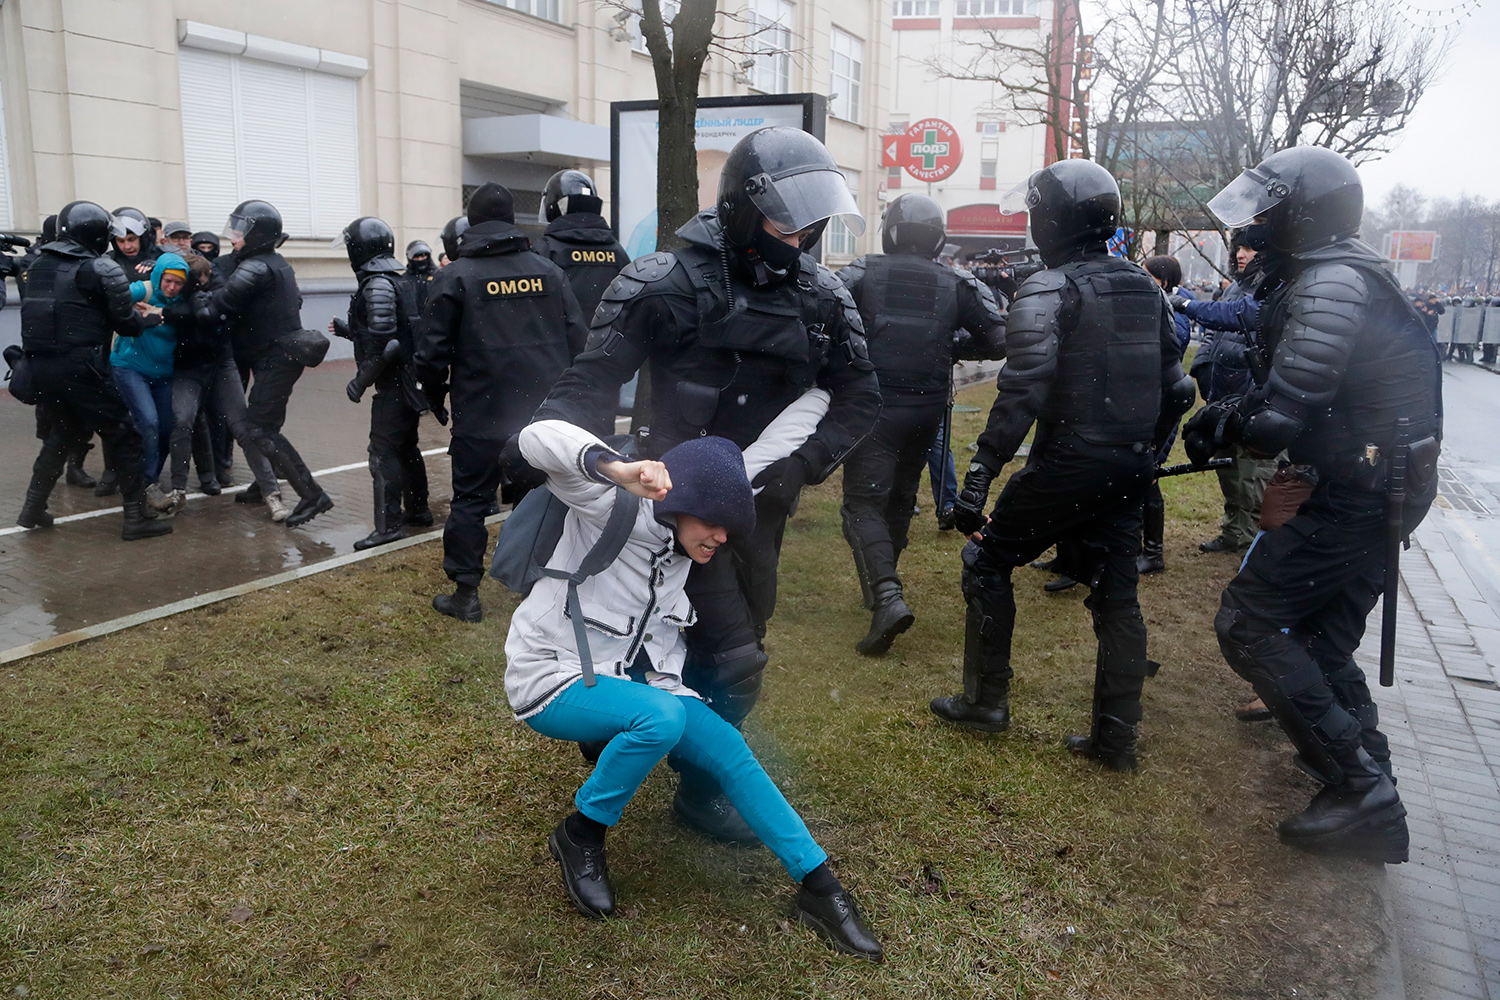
1211 429
341 329
969 509
781 481
516 469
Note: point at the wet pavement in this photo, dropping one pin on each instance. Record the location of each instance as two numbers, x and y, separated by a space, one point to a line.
80 573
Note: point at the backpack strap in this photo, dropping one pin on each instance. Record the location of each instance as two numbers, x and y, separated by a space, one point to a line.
604 552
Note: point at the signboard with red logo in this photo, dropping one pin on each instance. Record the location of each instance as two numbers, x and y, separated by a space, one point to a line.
1408 245
929 150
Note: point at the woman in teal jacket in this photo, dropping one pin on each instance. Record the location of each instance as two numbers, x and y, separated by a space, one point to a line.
142 369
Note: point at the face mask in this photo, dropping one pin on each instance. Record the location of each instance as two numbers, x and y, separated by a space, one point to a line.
777 255
1257 236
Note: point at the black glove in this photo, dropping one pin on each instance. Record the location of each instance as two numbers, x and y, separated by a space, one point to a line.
968 510
782 480
516 470
1178 302
341 329
1209 430
436 392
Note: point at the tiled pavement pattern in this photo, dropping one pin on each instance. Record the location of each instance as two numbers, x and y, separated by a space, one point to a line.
1443 718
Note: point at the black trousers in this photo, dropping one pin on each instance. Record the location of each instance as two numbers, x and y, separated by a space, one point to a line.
881 478
476 477
1090 496
81 399
1290 622
396 464
273 376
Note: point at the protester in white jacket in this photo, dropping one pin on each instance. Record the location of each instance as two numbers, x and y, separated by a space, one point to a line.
691 502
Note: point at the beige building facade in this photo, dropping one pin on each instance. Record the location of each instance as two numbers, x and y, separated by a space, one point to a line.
341 108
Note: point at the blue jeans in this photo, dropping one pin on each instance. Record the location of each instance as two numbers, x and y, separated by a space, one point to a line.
150 404
643 724
940 470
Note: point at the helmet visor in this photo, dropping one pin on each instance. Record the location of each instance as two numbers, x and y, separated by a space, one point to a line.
1250 194
794 203
238 228
125 225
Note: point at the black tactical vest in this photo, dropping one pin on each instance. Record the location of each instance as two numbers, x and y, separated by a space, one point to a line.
910 308
56 317
273 312
590 267
1108 384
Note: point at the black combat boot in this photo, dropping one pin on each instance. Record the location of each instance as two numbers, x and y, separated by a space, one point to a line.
891 618
34 510
1111 742
861 567
138 525
1360 816
420 516
1150 560
108 484
378 537
308 508
701 805
76 476
250 494
985 704
585 873
387 523
462 604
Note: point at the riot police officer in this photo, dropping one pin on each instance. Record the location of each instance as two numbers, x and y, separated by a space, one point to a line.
920 317
77 299
1343 359
735 326
453 232
578 239
420 267
1092 358
260 302
501 325
382 318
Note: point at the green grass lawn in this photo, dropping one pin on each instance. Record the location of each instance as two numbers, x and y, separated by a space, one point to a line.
318 790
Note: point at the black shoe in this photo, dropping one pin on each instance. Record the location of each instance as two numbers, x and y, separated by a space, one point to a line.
945 518
34 510
1119 757
377 537
421 517
585 874
108 485
308 508
1360 817
891 618
1221 544
138 526
1060 584
1046 565
962 712
837 918
1150 560
250 494
714 817
462 604
210 487
77 477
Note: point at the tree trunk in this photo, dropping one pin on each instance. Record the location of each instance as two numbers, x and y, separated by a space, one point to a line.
678 66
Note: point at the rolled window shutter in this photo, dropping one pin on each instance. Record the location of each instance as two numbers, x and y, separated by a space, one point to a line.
335 152
209 152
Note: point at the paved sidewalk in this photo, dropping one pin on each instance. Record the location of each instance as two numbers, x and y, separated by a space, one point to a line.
1443 719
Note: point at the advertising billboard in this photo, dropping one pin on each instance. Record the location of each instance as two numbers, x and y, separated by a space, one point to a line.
722 122
1420 247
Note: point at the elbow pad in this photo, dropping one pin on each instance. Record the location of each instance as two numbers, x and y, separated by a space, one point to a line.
1268 431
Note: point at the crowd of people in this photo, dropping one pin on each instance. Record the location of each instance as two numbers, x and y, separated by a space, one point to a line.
649 563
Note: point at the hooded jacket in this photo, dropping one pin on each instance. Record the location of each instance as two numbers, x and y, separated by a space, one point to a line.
153 352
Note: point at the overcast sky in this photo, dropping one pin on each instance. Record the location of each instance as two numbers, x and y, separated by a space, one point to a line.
1451 147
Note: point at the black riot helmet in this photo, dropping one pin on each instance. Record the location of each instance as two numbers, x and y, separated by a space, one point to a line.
49 229
366 238
788 177
913 224
131 222
258 224
569 191
86 224
1072 204
451 232
1309 195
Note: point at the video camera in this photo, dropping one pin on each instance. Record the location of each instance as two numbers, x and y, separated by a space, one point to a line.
1005 270
10 242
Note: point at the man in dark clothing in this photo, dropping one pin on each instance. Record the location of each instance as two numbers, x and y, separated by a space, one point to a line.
206 244
735 326
260 302
501 324
1222 369
420 270
382 318
578 239
1351 376
77 299
1092 359
920 317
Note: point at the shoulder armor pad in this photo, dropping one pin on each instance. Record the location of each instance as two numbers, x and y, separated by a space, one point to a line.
630 282
1336 280
1043 281
652 267
826 279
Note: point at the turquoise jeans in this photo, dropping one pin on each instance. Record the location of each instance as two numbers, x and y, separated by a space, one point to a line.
642 725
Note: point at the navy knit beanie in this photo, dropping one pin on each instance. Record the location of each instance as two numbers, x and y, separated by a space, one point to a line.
709 482
491 202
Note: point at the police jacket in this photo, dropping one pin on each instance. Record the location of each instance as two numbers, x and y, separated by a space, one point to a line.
501 324
920 317
1348 356
1221 367
76 299
259 301
584 246
1091 350
725 358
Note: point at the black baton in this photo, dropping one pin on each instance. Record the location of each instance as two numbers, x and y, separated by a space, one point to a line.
1394 512
1183 468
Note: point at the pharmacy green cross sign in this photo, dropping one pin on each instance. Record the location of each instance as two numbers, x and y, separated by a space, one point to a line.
929 150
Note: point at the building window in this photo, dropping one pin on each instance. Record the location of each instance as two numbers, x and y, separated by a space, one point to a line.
549 9
919 8
846 72
254 129
638 37
892 177
991 130
995 8
770 24
987 175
